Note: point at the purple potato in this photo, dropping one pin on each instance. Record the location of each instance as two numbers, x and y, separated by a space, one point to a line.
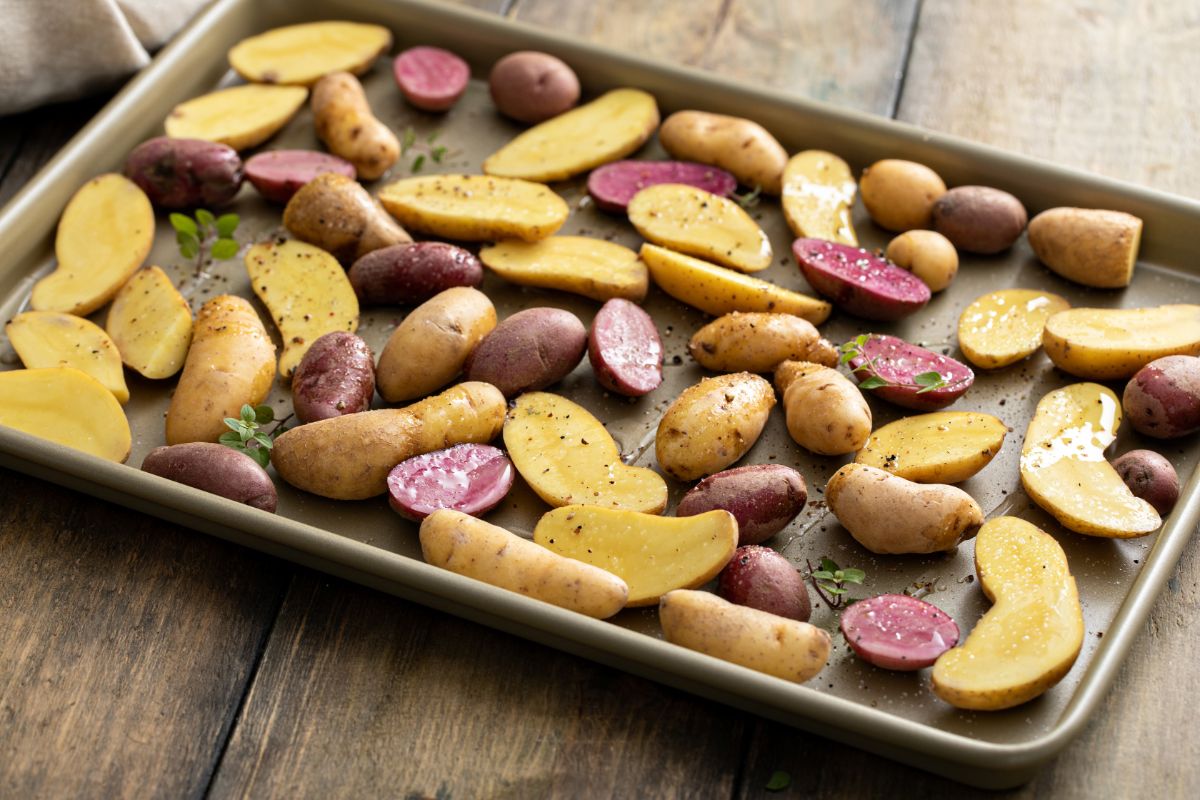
1151 477
624 349
335 377
216 469
430 78
528 351
185 173
898 632
899 363
760 578
764 498
405 274
279 174
979 219
1163 398
860 282
613 185
530 86
471 478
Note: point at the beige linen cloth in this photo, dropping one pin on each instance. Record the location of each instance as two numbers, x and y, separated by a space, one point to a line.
64 49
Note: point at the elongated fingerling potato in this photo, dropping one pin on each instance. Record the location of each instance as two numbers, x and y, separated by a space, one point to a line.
818 193
712 424
1103 344
759 342
475 208
743 147
826 413
54 339
345 122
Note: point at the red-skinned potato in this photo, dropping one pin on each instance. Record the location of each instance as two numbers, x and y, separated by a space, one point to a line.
979 219
528 351
403 274
760 578
900 363
532 87
469 478
858 281
898 632
624 349
430 78
335 377
1163 398
763 498
1151 477
216 469
185 173
279 174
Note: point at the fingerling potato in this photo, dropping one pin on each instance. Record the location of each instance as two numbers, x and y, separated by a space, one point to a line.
345 123
826 413
475 208
300 54
759 342
240 116
699 223
712 424
739 146
65 406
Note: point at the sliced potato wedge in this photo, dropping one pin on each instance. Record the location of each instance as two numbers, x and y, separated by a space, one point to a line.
151 324
299 55
942 447
609 128
818 193
1001 328
690 220
1105 344
53 339
240 116
475 208
1091 246
579 264
66 406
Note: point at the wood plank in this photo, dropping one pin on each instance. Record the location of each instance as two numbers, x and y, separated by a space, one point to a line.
36 136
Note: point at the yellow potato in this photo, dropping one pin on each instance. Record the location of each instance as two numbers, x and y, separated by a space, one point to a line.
345 123
307 293
151 324
899 195
927 254
609 128
712 424
758 341
105 234
300 54
1029 639
942 447
339 216
579 264
826 412
240 116
699 223
567 456
786 648
1087 245
468 546
66 406
736 145
54 339
1064 471
1003 327
1105 344
475 208
716 290
652 554
818 193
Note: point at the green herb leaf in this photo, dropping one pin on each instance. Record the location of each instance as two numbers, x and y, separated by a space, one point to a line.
835 590
779 781
247 414
433 137
418 162
264 440
263 457
852 575
235 424
229 439
410 138
823 575
189 246
749 199
264 414
226 225
223 249
182 223
437 153
205 217
829 565
873 382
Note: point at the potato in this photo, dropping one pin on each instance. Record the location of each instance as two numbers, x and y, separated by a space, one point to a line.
1113 343
715 290
67 407
216 469
568 457
898 632
1090 246
858 281
532 87
607 129
1028 640
613 185
818 193
742 147
279 174
335 377
336 214
578 264
926 254
1063 468
428 349
151 324
763 498
470 478
468 546
53 339
909 372
653 555
888 514
402 274
430 78
475 208
826 413
624 349
240 116
712 424
528 351
344 122
1163 398
899 195
1150 477
942 447
758 341
1005 326
979 219
693 221
786 648
760 578
104 235
185 173
349 457
300 54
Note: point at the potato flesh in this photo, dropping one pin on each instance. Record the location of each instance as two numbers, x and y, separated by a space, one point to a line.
65 406
151 324
942 447
579 264
300 54
241 116
1114 343
567 456
1001 328
476 208
818 193
52 339
699 223
652 554
1064 471
607 129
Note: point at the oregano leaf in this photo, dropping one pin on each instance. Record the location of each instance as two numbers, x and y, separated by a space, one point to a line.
182 223
205 217
223 249
226 225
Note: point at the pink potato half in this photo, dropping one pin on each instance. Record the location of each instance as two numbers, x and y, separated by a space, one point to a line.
858 281
624 349
430 78
613 185
279 174
899 363
898 632
470 478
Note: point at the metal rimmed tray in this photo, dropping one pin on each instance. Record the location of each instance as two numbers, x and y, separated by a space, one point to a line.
895 715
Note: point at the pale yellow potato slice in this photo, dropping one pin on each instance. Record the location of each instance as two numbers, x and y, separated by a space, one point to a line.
699 223
240 116
67 406
54 339
105 233
1003 327
652 554
818 193
300 54
716 290
1064 471
609 128
579 264
1105 344
475 208
151 324
567 456
1030 638
307 292
942 447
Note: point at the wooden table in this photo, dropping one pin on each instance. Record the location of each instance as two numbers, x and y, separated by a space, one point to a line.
141 659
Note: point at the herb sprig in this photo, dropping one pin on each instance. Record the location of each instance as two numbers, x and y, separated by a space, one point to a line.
749 199
245 434
830 582
855 348
424 149
206 233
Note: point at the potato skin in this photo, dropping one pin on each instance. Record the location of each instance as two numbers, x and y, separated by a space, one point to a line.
899 195
528 351
927 254
739 146
185 173
763 498
1163 398
759 342
979 219
1090 246
712 424
335 377
826 413
760 578
412 273
336 214
530 86
216 469
344 121
1151 477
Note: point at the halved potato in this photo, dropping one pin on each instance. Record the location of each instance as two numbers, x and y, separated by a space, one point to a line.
1003 327
475 208
240 116
66 406
105 233
609 128
818 193
1092 246
1112 343
53 339
942 447
151 324
580 264
700 223
1064 471
300 54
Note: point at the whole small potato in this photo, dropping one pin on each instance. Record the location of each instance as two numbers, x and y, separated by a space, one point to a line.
927 254
1163 398
739 146
338 215
185 173
979 219
335 377
529 86
412 273
528 351
763 498
712 424
216 469
761 578
1151 477
899 195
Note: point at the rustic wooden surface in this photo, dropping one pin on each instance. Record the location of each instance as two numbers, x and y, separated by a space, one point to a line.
140 659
